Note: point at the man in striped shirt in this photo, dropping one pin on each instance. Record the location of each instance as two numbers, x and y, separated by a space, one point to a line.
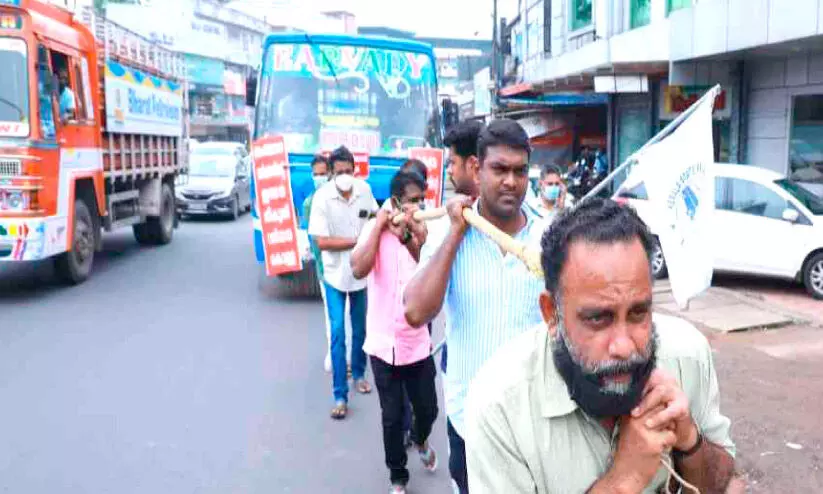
489 297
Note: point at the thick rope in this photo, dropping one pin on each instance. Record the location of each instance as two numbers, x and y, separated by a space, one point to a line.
673 473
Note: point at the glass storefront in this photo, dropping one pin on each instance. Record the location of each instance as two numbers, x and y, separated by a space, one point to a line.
806 139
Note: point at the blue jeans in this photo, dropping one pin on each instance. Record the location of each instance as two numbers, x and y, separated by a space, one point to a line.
336 304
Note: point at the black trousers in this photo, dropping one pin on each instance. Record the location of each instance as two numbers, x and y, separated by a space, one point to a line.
457 459
418 382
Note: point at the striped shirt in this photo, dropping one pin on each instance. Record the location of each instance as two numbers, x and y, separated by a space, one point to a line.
490 299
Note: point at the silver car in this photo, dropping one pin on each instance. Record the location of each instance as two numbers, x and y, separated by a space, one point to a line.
218 181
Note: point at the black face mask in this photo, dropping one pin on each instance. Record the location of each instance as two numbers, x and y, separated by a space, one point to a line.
586 387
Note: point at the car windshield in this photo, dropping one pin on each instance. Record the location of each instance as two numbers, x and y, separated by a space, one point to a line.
205 166
14 91
370 99
205 150
813 202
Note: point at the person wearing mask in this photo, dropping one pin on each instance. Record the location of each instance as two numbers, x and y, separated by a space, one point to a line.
553 193
339 212
601 376
474 281
320 177
403 367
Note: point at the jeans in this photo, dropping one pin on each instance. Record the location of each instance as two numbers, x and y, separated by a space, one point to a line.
336 304
418 381
408 420
457 459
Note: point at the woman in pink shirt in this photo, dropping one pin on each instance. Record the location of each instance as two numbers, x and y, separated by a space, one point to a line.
400 354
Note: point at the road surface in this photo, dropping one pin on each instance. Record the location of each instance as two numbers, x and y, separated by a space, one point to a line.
173 370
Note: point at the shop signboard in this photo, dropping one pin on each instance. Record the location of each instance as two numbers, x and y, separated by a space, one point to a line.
674 100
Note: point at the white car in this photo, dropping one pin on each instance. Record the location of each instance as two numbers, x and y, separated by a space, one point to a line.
764 224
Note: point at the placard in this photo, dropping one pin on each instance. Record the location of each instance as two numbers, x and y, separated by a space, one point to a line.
361 165
433 159
272 180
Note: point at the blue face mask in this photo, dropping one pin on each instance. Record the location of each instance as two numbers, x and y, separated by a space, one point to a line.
320 180
551 192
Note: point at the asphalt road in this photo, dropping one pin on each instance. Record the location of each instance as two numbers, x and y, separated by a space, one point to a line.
175 370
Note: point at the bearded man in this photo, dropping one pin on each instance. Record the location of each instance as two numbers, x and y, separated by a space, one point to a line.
598 397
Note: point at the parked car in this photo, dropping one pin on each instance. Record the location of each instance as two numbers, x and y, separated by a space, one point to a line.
218 181
764 224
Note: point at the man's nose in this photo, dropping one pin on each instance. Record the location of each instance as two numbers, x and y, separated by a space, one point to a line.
621 346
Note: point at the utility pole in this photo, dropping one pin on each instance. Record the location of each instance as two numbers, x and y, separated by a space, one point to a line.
495 54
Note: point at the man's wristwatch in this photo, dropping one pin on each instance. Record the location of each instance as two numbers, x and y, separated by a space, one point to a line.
678 455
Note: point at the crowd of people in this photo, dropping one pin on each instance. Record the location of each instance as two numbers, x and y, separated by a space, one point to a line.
562 383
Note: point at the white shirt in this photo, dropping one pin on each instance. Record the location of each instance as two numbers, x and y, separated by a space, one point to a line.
334 216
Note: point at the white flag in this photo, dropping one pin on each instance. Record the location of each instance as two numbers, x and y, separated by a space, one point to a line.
679 180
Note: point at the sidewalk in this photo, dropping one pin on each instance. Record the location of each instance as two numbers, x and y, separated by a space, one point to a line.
723 310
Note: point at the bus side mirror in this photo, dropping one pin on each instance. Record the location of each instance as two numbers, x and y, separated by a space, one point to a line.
251 89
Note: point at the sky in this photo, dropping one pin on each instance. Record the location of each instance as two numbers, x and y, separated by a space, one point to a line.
468 19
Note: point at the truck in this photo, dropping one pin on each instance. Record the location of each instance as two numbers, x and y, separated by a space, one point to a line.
92 131
375 95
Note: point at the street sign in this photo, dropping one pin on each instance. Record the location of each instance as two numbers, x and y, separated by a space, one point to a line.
272 180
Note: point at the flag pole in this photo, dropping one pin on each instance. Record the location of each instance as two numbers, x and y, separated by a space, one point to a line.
668 129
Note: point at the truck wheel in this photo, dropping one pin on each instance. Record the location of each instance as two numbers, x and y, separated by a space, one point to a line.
813 276
158 230
74 267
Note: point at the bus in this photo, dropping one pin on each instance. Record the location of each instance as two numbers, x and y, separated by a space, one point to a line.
374 95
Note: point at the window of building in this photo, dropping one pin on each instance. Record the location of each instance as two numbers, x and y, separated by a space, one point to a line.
580 14
641 13
806 144
672 5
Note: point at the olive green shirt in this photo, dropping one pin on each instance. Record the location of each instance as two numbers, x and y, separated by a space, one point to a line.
525 434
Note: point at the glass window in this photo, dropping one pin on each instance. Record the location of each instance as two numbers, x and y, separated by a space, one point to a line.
806 145
321 96
79 86
641 14
581 14
672 5
813 202
745 196
14 90
44 94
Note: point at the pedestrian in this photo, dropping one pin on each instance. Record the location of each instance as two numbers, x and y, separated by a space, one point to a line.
602 390
320 177
400 354
553 194
339 212
474 280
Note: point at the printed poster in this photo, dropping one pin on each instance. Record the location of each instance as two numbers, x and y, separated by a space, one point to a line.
272 179
433 159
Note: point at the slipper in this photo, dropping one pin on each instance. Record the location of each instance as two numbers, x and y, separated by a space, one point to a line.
340 411
362 386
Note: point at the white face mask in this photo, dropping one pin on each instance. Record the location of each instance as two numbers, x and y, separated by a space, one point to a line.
344 183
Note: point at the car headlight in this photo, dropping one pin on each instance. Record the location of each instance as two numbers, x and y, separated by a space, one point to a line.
223 194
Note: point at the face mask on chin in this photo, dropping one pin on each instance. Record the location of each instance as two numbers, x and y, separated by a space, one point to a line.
344 183
586 384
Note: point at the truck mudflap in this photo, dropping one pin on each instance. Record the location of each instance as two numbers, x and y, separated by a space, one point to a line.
23 239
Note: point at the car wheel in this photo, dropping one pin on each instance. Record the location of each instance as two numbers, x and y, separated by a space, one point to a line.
659 268
813 276
235 208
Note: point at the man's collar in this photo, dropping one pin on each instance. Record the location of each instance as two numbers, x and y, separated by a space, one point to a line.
355 193
552 392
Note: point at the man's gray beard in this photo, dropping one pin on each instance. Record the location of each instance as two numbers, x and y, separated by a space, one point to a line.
585 381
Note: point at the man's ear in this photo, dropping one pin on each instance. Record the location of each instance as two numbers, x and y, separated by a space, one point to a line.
473 167
549 311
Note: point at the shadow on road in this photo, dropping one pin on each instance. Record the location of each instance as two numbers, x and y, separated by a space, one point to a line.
21 281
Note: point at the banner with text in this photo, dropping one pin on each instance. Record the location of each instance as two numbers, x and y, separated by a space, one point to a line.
139 103
433 159
680 184
272 180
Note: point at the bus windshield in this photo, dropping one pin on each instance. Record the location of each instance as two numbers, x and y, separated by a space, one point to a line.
14 91
374 100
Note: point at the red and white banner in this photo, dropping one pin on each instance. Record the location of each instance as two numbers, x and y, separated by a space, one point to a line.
272 180
433 159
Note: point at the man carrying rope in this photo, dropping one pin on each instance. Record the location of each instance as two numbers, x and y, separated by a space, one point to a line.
483 288
602 396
